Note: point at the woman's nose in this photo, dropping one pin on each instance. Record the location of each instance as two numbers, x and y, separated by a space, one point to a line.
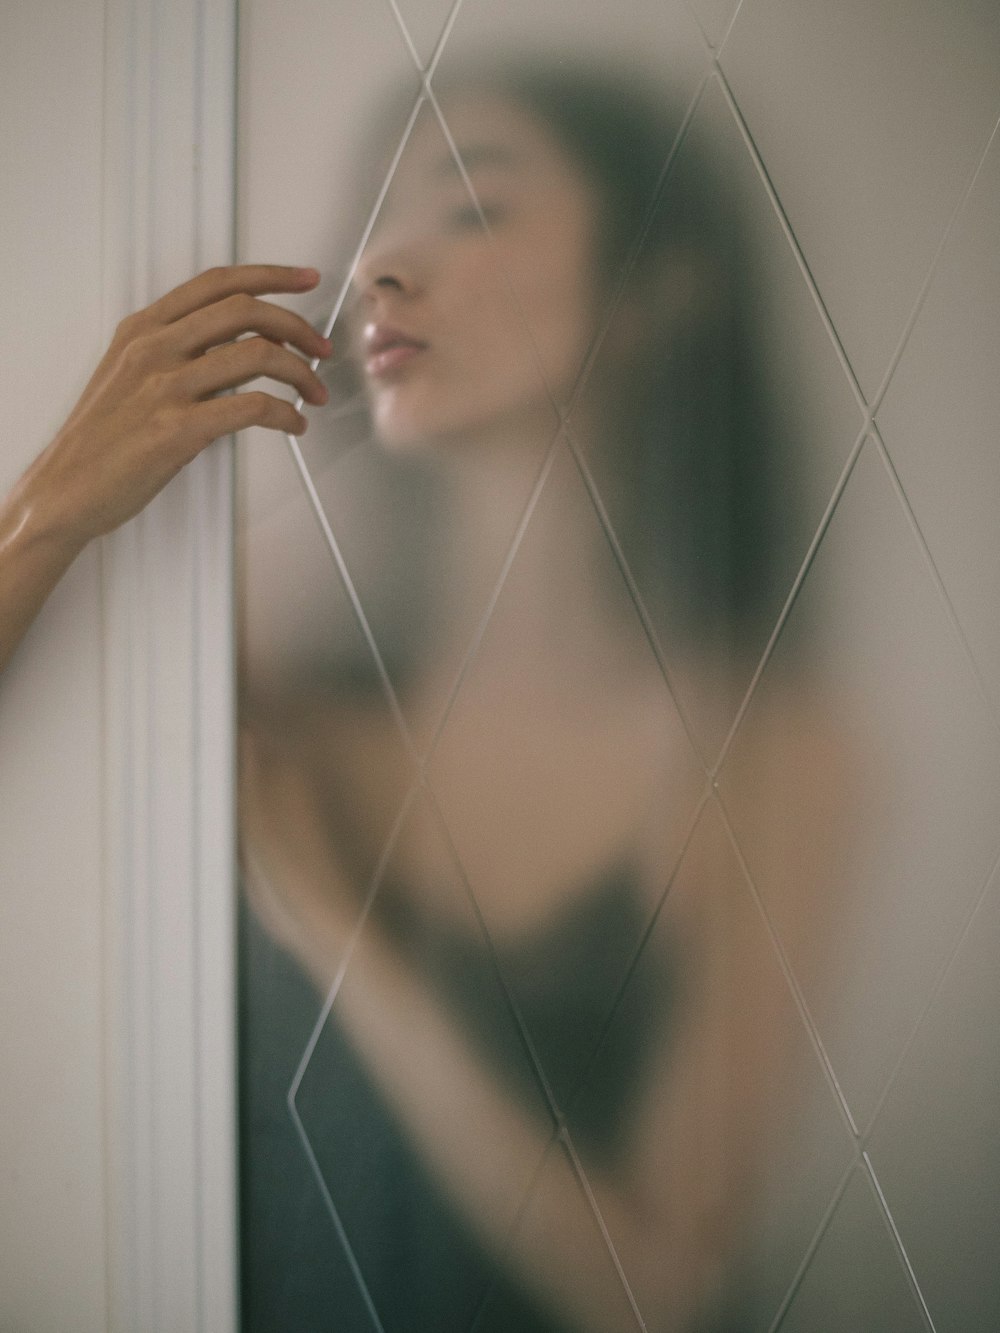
389 267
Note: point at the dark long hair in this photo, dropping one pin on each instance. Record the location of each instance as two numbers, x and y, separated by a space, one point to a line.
691 440
686 452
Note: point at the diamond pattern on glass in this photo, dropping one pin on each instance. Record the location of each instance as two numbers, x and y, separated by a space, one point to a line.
424 22
420 1023
731 1143
562 1253
389 456
878 1293
935 1142
311 80
939 421
869 118
715 18
644 40
729 443
563 762
479 720
311 697
288 1230
903 793
570 105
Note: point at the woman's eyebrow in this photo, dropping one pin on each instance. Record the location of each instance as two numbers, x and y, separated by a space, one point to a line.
476 155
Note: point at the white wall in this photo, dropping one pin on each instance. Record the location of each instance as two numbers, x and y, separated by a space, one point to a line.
52 1230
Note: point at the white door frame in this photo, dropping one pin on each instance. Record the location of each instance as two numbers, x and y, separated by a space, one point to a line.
170 1011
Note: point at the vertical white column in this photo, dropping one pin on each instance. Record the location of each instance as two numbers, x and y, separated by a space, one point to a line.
170 1013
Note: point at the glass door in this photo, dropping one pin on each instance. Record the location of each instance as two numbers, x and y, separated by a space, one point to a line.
618 758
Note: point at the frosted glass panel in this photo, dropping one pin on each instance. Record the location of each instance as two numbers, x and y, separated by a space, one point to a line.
619 758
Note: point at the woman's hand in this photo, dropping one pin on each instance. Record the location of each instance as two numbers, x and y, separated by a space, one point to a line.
152 403
292 874
151 406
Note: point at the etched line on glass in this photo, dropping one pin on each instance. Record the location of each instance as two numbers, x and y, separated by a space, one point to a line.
790 236
350 946
515 1012
370 225
789 974
569 1148
563 413
501 270
938 985
713 47
508 1244
632 588
337 1223
404 30
472 650
291 1095
932 269
898 1240
702 33
439 44
939 584
639 950
635 250
729 28
428 95
445 34
352 593
812 1247
306 477
630 260
790 600
419 787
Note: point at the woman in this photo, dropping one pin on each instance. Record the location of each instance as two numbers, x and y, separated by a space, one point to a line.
542 1093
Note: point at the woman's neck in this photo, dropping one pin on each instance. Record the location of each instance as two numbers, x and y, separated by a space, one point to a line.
554 593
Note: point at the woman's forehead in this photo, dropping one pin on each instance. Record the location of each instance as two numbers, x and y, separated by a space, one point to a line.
490 132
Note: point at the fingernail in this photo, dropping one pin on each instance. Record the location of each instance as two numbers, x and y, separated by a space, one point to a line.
309 275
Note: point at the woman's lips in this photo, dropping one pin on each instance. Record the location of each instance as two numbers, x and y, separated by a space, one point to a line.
388 349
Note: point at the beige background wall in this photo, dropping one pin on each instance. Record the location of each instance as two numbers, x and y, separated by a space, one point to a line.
52 1226
116 847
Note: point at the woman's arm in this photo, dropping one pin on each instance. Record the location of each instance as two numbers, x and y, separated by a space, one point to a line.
678 1205
479 1141
484 1146
149 408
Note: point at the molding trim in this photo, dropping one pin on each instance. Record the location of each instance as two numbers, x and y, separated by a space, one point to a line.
170 994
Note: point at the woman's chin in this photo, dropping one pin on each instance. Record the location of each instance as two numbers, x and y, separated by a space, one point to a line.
404 437
405 432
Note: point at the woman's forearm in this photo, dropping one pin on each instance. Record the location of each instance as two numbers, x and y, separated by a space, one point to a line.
489 1150
484 1147
35 552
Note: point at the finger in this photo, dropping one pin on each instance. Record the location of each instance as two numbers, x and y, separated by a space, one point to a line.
215 284
242 313
217 417
233 364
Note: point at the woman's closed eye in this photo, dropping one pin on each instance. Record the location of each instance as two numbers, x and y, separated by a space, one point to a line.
469 216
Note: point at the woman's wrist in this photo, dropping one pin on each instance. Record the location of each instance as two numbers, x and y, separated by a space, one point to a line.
43 516
36 549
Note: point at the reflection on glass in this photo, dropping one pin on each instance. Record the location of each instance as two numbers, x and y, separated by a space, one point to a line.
561 1056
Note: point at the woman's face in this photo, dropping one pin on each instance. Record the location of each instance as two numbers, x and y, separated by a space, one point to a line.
463 334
